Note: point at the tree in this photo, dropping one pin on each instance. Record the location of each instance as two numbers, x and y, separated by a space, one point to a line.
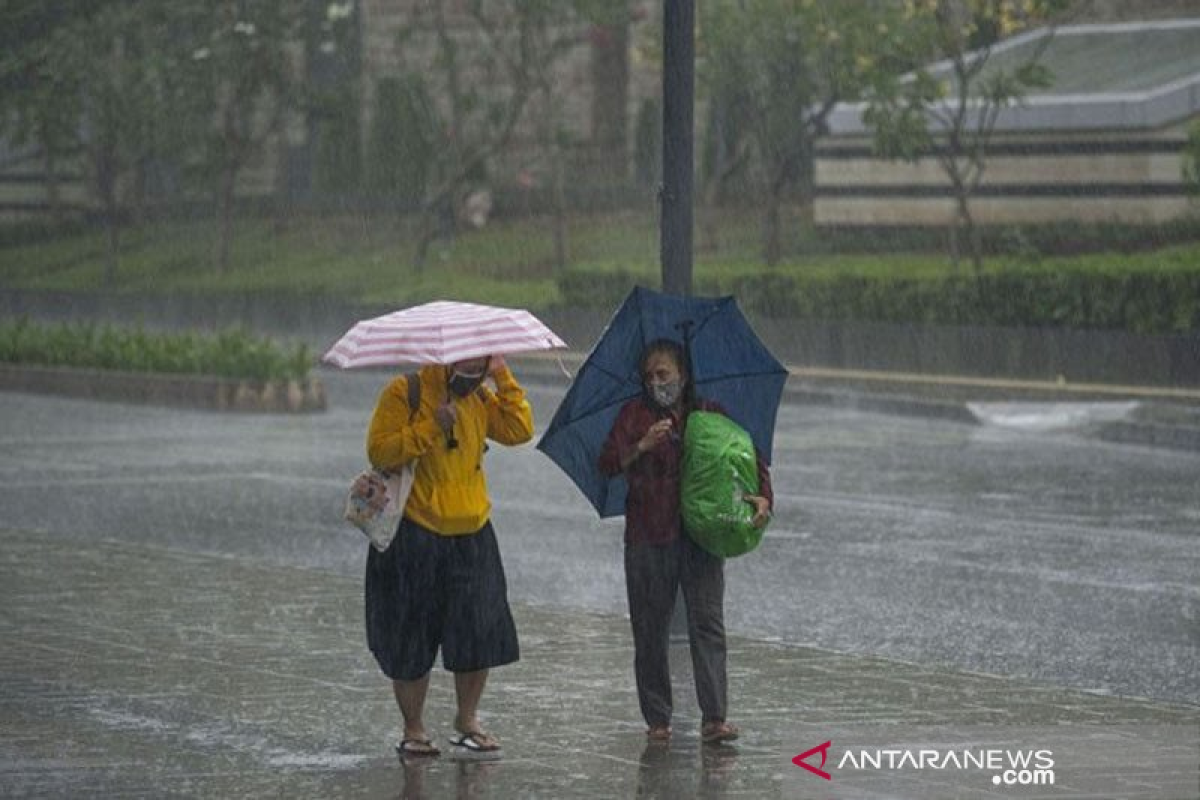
772 71
608 35
949 110
87 79
488 62
239 77
400 147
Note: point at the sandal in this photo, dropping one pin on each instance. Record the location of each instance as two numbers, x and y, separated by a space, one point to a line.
718 732
475 744
421 748
659 733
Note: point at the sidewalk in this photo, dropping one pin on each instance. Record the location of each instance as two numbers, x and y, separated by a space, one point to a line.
1157 416
138 672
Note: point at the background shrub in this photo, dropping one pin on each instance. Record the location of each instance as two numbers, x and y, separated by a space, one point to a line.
232 353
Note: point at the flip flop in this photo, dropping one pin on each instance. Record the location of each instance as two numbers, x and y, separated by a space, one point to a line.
719 732
474 744
420 748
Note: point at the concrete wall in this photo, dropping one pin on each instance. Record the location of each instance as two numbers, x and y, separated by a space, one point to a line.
1092 177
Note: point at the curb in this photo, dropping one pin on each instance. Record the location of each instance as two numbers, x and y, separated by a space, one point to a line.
1167 418
899 404
1170 437
186 391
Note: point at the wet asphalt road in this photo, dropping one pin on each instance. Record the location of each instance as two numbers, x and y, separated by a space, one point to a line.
1050 556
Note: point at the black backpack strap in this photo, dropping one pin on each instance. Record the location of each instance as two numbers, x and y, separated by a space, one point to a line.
413 381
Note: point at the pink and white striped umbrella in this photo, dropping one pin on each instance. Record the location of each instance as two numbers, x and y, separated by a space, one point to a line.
442 332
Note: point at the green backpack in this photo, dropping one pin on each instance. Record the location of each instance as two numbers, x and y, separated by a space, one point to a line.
719 470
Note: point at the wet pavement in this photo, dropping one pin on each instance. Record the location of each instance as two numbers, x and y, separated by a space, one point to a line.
141 671
181 607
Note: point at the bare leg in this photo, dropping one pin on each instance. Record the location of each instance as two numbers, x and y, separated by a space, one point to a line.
469 688
410 696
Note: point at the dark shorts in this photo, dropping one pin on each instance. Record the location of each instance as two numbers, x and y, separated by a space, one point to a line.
428 591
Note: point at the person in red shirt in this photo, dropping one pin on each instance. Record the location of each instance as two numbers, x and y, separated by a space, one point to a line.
646 444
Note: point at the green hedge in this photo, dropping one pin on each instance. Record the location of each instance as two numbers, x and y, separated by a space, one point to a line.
229 354
1153 303
1041 240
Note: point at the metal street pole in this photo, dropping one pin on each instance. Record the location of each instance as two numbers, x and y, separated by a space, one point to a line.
679 88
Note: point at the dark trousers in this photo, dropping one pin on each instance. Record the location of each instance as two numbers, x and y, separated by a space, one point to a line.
653 576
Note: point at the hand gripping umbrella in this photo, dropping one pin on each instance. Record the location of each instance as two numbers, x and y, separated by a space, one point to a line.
729 365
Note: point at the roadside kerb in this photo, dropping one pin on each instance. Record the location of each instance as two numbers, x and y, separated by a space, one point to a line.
189 391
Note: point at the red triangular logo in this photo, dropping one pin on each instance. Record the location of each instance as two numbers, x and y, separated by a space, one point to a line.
821 748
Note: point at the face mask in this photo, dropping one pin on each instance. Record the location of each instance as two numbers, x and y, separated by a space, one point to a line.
462 385
666 394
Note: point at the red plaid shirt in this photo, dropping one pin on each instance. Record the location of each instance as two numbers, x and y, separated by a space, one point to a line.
652 514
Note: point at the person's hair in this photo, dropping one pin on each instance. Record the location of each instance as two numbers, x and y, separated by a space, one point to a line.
675 351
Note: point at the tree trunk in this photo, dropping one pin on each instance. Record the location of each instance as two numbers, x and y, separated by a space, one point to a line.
557 178
952 243
280 209
967 234
772 237
610 92
426 233
106 189
225 238
560 215
112 214
53 194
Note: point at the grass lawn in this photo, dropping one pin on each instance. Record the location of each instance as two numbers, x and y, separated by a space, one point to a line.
509 262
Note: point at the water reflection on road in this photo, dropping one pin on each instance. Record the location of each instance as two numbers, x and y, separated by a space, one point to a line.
1042 554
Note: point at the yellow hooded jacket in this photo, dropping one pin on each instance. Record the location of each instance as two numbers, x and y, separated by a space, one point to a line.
449 493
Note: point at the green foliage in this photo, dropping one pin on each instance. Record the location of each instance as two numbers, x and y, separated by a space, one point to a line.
596 288
402 140
1152 303
338 164
516 43
955 102
232 353
353 260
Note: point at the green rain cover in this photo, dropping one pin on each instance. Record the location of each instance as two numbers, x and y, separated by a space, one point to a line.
719 470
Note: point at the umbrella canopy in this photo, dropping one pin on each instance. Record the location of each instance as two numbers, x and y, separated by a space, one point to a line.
442 332
729 365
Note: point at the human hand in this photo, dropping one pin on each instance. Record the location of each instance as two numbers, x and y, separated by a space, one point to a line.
495 364
657 432
762 510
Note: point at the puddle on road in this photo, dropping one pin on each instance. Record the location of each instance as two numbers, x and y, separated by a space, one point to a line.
1032 416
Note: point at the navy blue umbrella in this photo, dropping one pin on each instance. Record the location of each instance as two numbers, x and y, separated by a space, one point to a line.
729 365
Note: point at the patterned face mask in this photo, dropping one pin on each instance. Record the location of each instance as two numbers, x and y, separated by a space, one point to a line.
666 394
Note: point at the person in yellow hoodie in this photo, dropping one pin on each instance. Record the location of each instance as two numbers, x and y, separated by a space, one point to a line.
441 582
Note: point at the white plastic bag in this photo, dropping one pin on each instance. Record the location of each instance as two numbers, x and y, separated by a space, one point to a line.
375 503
